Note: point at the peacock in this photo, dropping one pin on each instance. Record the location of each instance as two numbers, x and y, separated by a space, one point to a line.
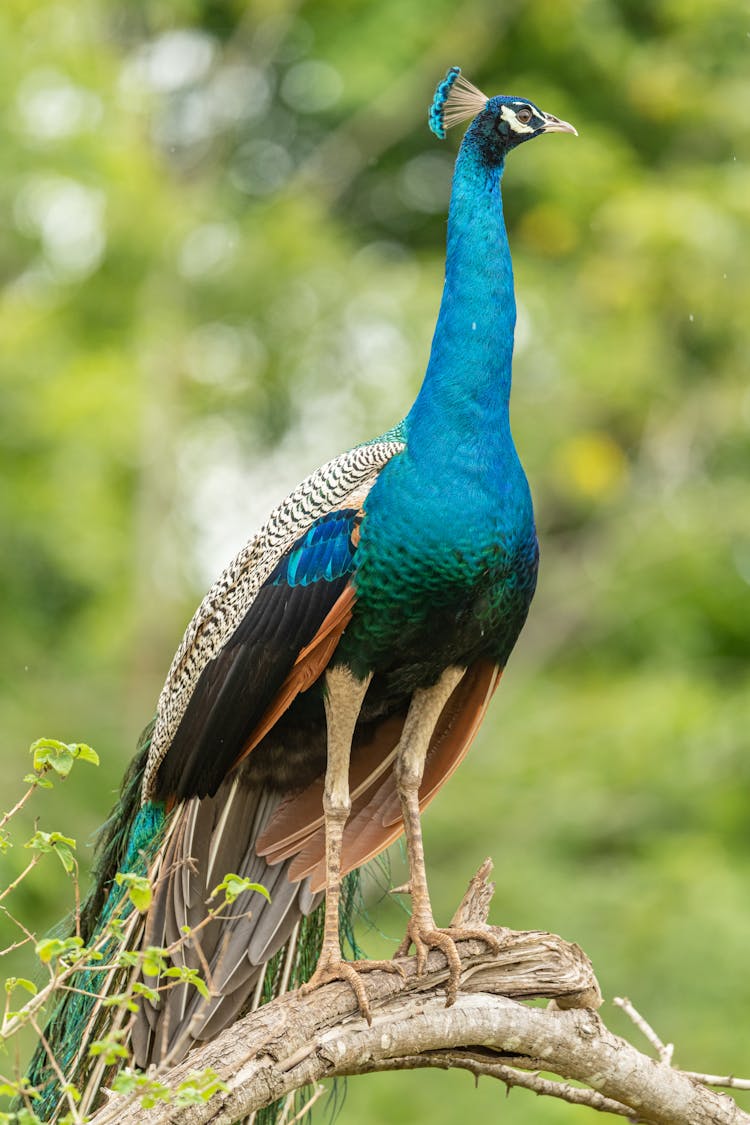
333 677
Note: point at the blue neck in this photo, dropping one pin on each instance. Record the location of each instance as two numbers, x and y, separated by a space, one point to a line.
465 393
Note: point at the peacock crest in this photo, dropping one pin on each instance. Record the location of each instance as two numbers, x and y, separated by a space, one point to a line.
456 100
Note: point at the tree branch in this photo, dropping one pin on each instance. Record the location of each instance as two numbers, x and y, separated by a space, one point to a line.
298 1040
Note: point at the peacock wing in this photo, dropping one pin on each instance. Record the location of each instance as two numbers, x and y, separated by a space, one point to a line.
281 646
264 632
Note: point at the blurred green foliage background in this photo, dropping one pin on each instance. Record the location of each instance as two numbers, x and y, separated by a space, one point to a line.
221 256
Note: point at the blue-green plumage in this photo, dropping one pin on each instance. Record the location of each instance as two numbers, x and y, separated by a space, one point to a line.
357 638
447 558
326 552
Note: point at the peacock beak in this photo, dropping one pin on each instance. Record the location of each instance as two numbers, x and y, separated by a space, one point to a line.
555 125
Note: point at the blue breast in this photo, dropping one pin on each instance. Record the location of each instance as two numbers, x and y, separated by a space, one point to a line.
446 564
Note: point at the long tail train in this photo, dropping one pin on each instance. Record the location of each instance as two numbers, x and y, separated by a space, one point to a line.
248 958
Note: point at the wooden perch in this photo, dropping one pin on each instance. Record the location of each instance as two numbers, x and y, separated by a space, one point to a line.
297 1040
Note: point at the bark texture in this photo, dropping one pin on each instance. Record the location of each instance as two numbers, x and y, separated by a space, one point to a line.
299 1040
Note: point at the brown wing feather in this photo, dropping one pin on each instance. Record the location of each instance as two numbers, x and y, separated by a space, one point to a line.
365 836
375 820
457 727
301 814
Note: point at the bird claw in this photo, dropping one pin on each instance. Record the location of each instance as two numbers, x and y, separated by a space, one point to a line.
424 935
334 968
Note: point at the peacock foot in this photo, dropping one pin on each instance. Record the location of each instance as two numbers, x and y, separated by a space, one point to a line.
423 934
331 966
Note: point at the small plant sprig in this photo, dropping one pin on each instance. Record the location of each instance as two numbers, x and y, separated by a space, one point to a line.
49 757
121 975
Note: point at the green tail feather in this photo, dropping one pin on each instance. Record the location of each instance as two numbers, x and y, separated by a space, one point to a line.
116 846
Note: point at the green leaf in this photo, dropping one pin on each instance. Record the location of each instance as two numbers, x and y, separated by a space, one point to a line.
138 888
22 1116
109 1047
38 781
20 982
50 948
116 927
26 1117
189 976
127 958
84 753
199 1086
152 1091
235 885
51 754
154 961
46 841
120 1000
12 1089
141 989
125 1082
62 846
157 1093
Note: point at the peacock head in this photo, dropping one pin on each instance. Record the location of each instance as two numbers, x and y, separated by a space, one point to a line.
500 123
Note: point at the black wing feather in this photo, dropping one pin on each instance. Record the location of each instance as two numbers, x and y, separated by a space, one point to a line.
235 689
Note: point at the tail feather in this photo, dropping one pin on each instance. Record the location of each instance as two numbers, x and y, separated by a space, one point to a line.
250 959
209 838
117 845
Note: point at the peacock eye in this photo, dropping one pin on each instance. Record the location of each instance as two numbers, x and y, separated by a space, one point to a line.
524 115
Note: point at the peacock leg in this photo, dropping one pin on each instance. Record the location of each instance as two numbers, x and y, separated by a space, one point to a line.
343 700
421 930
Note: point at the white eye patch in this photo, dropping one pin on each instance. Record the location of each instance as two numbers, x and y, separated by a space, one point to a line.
517 126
